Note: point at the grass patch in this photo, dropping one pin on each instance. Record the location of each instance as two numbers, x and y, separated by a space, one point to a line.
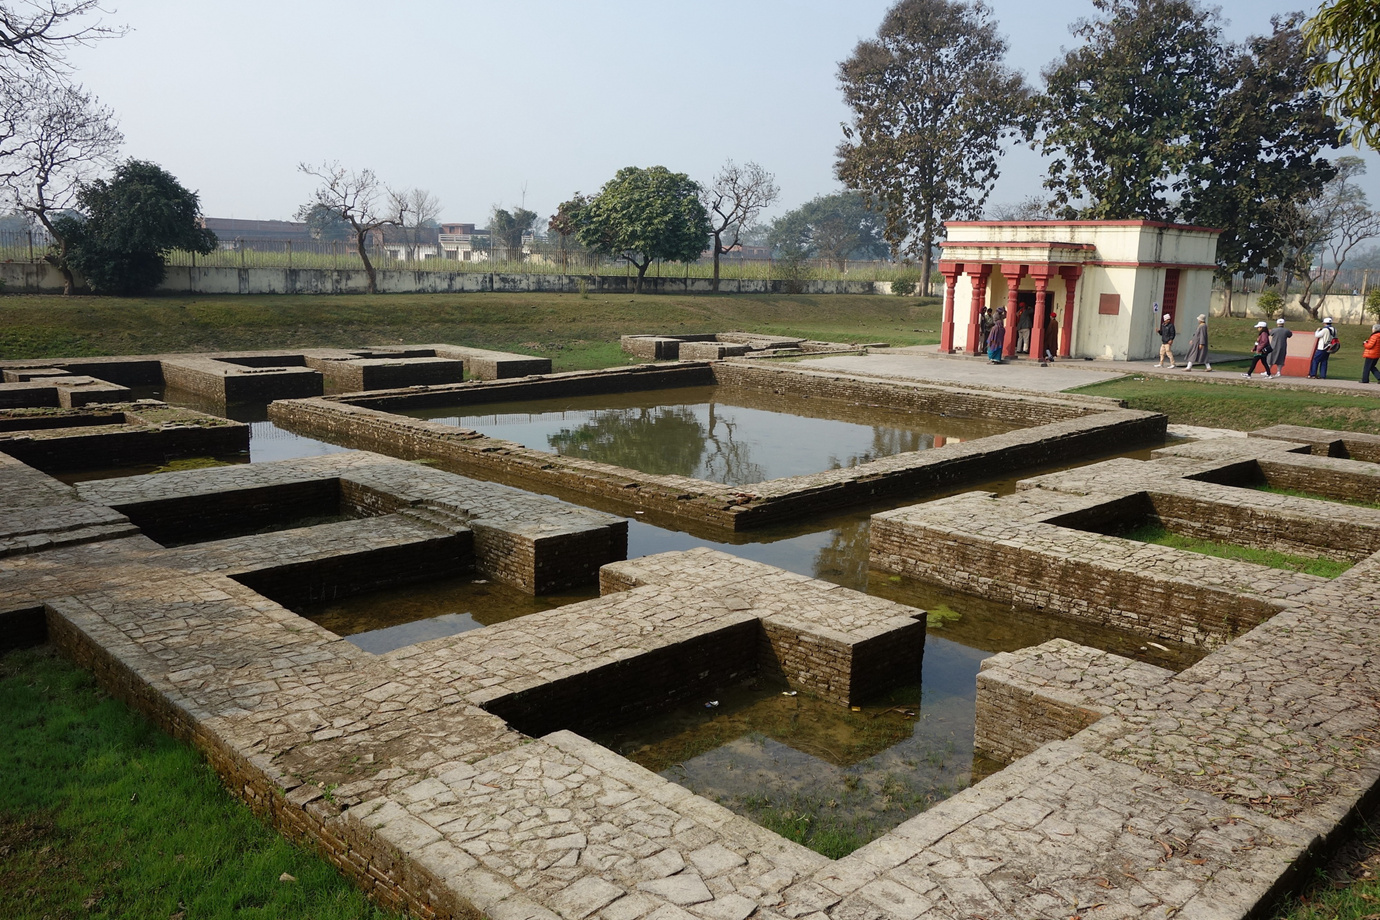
191 463
1243 408
1298 493
577 332
104 816
806 822
1309 565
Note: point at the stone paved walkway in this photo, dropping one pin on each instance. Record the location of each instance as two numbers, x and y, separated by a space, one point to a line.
1193 803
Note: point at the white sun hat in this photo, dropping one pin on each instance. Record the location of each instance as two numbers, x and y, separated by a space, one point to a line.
1261 325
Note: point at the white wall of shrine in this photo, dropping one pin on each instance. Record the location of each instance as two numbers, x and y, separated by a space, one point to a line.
1123 266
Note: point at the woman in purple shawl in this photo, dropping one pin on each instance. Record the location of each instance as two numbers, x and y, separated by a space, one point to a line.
996 338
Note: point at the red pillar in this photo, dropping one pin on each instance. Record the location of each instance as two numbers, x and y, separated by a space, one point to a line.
1070 274
1013 275
950 271
977 275
1041 274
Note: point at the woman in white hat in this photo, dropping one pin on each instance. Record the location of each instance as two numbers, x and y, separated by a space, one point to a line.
1317 368
1260 351
1198 346
1279 346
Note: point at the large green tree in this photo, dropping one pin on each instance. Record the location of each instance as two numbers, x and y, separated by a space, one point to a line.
933 106
835 227
508 227
131 221
1123 116
645 214
1261 151
1347 32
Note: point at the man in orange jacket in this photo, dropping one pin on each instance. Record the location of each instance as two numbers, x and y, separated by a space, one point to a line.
1370 352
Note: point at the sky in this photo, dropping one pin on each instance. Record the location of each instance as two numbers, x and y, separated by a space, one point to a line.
518 103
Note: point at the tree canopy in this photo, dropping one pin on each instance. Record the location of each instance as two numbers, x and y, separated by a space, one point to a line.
645 214
1156 117
836 227
131 221
507 228
1124 115
1346 34
1262 152
933 107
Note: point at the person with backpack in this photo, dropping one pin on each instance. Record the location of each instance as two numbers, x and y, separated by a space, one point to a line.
1370 354
1279 347
1328 345
1260 351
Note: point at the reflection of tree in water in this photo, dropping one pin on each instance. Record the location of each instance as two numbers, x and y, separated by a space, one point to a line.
886 442
844 559
728 461
662 441
666 440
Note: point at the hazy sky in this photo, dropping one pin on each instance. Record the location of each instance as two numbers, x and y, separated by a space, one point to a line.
485 103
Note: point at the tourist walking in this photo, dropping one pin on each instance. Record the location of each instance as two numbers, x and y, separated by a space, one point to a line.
1167 334
1198 346
1025 321
1260 351
1317 368
1370 353
1279 347
1051 337
996 338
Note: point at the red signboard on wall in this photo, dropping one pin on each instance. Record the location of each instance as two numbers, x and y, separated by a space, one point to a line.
1109 304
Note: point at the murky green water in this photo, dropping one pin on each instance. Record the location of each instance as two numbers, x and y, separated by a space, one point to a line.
719 434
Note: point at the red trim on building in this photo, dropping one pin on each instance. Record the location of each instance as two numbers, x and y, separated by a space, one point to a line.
1015 244
1080 223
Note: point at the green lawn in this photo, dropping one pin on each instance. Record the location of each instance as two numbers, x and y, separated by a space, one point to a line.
1243 408
1310 565
575 331
103 816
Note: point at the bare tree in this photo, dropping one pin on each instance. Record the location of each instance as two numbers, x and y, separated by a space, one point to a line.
735 199
354 195
417 209
63 138
34 34
1324 230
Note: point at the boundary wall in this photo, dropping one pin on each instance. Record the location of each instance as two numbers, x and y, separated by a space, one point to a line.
41 278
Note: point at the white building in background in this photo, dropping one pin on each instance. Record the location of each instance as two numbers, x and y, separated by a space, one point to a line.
1102 279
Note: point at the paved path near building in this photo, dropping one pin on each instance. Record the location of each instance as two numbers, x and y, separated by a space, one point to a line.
1017 375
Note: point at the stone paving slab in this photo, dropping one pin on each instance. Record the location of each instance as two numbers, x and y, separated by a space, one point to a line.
1198 801
1027 376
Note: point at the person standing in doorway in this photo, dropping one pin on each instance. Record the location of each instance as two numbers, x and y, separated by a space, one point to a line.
1025 321
1167 335
1198 346
1370 354
984 327
1317 368
1260 351
1051 337
996 338
1279 347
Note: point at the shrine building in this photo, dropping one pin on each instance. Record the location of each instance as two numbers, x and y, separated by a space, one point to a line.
1102 279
